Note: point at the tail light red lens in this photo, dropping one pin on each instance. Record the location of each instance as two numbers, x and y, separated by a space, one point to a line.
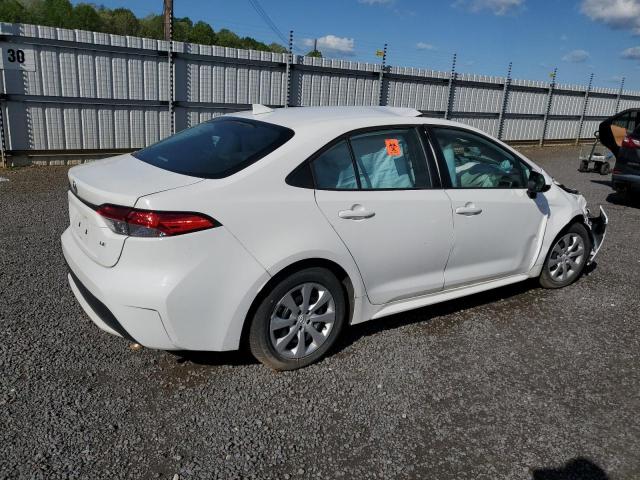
148 223
629 142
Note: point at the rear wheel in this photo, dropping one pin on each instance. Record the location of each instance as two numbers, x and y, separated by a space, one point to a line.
605 168
584 166
299 320
567 257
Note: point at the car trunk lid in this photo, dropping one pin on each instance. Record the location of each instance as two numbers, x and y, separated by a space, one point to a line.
120 180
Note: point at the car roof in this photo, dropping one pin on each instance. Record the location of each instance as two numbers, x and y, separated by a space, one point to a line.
296 117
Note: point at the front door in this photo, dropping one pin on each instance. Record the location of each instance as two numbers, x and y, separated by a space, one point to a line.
497 226
375 189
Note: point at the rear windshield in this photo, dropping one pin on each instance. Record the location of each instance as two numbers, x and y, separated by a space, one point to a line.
217 148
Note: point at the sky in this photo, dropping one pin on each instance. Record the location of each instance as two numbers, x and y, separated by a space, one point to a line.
579 37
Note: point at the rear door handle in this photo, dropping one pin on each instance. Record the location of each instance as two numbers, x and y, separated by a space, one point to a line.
357 212
468 210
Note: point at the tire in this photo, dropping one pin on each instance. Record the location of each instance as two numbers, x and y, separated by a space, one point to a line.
605 168
584 166
567 257
279 323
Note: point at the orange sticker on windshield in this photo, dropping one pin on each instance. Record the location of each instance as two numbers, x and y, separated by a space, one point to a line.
393 148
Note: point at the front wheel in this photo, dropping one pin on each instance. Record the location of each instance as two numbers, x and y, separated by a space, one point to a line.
567 257
605 168
299 320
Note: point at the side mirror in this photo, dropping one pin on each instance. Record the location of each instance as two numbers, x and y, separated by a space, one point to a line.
536 184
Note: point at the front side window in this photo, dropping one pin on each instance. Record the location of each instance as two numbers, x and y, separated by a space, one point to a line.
474 162
390 159
217 148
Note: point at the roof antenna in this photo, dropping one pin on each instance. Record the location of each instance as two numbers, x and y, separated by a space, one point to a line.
259 109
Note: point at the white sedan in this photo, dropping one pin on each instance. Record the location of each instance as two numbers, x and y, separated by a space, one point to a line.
276 228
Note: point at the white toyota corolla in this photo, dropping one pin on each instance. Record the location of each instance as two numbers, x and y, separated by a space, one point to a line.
278 227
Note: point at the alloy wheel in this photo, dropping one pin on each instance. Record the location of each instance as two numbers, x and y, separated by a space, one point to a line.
567 257
302 320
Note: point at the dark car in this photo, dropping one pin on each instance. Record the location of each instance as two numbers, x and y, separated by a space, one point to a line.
621 135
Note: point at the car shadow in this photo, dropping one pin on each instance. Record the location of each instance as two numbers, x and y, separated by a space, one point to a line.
353 333
579 468
215 359
426 314
606 183
624 200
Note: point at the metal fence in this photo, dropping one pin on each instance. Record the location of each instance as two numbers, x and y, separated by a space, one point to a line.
75 93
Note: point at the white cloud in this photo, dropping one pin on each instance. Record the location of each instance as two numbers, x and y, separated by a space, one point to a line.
425 46
564 37
375 2
576 56
620 14
632 53
331 43
498 7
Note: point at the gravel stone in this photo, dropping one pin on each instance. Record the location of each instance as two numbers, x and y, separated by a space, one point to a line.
504 384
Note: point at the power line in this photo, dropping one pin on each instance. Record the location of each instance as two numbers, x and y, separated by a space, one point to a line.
267 19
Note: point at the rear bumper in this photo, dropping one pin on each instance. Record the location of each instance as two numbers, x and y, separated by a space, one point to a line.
191 292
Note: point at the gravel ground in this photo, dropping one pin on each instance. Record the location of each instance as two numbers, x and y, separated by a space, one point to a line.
516 383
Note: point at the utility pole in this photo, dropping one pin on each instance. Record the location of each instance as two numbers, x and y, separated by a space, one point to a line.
168 36
168 19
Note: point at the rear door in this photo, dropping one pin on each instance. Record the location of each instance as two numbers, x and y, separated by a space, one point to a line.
497 226
378 192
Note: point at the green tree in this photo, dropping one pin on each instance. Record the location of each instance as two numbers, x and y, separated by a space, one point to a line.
53 13
202 33
152 26
13 11
277 48
314 53
226 38
85 17
120 21
182 29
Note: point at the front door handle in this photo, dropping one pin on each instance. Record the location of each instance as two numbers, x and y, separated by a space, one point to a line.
357 212
469 209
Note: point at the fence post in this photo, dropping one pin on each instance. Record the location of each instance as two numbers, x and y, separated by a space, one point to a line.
584 109
545 123
381 75
619 95
3 145
452 88
505 99
288 70
168 13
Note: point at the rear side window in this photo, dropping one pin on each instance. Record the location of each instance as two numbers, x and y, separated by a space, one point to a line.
217 148
390 159
333 169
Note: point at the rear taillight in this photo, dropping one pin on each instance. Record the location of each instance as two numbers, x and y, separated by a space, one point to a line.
147 223
629 142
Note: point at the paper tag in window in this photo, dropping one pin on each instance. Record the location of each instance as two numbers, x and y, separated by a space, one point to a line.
393 148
